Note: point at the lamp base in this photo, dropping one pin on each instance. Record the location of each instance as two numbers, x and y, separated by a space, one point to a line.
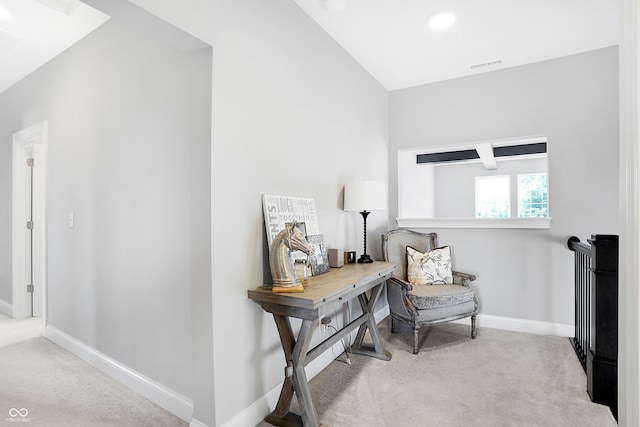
364 259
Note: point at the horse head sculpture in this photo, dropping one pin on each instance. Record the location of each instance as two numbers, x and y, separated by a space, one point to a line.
283 271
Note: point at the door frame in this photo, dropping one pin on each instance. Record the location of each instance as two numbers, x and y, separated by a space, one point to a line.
36 134
629 296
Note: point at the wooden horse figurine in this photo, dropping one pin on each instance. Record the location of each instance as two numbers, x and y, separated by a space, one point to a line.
283 271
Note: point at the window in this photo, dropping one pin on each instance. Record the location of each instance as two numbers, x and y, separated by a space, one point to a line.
485 184
533 197
492 197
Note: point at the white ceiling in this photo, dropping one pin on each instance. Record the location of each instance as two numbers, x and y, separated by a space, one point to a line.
389 38
32 32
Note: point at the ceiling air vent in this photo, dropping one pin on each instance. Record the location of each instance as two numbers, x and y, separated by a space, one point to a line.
486 64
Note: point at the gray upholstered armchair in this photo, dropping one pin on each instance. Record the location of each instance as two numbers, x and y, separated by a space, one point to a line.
413 306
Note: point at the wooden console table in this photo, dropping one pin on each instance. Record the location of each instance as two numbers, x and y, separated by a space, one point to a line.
322 295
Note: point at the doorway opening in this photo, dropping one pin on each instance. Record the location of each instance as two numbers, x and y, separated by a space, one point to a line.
29 223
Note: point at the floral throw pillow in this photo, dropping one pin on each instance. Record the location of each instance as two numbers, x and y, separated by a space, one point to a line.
431 268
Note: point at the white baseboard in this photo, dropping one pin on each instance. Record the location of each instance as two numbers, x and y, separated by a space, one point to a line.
6 308
256 412
167 399
522 325
196 423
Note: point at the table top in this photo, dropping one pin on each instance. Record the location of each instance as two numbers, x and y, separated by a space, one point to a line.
338 283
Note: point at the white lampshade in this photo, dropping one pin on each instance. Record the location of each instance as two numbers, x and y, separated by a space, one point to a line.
365 196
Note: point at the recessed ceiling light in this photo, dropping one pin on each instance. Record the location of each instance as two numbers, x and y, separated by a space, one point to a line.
4 13
335 5
441 21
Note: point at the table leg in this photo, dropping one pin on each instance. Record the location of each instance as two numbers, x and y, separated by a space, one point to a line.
368 305
295 377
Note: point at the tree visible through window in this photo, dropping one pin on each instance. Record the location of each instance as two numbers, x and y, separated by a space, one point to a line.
533 196
492 197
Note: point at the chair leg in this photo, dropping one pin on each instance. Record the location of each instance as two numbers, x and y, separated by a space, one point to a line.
473 327
415 339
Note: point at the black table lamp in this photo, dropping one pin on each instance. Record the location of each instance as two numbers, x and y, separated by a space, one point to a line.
363 197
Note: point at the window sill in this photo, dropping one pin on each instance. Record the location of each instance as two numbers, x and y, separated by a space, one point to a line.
524 223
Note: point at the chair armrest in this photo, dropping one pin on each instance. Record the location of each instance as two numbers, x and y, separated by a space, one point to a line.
403 284
463 278
399 304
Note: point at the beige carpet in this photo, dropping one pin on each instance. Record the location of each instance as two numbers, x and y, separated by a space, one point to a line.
499 379
43 385
13 331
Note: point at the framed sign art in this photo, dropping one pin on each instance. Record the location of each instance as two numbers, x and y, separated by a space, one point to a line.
281 210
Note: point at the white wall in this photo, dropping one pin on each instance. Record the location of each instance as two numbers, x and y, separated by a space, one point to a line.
129 119
526 274
416 187
629 295
293 115
6 158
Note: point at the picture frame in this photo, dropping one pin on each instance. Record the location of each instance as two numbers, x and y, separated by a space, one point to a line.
279 210
319 261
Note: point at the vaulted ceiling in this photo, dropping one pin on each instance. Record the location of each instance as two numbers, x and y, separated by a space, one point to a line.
32 32
389 38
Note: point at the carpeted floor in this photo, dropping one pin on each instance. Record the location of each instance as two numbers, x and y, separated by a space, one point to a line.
13 331
501 378
43 385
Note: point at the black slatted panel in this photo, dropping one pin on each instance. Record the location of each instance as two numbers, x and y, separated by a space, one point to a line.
520 150
450 156
456 156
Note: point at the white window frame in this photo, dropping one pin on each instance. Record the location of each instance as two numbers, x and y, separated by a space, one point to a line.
546 175
506 178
